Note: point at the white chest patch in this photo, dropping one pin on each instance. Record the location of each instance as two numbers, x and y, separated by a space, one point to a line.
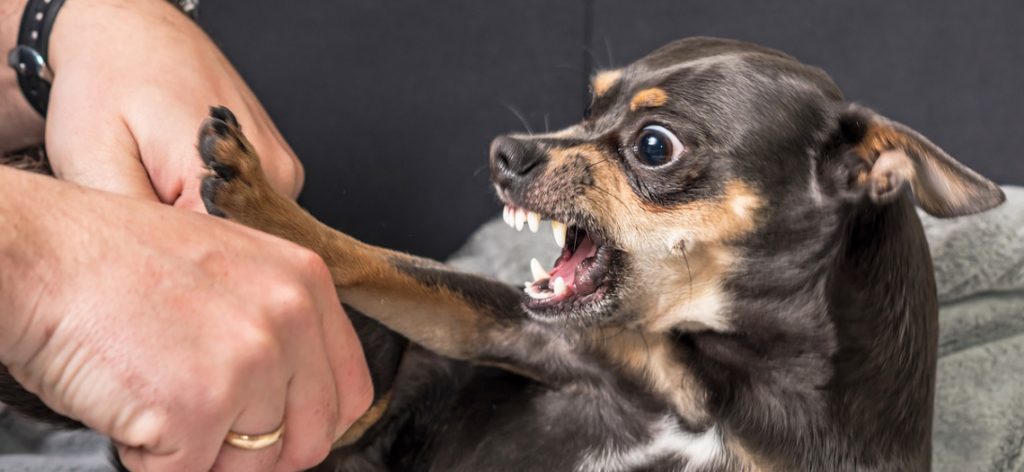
667 442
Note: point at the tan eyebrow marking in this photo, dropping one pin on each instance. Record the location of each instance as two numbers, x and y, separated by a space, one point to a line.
604 81
648 98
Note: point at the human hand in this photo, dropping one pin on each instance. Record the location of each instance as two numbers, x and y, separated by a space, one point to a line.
132 81
165 341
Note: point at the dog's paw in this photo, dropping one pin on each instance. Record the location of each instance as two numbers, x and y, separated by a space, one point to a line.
235 174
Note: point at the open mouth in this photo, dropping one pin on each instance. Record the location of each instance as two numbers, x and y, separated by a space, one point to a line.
581 276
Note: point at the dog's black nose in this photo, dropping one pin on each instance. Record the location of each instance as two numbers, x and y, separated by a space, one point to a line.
513 158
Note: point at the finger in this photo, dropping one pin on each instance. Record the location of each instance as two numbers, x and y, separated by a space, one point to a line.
261 399
264 415
283 169
88 143
138 459
312 411
190 198
348 366
131 457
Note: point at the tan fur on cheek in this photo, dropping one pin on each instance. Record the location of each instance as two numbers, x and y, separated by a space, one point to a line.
681 254
685 292
640 226
644 227
604 81
648 98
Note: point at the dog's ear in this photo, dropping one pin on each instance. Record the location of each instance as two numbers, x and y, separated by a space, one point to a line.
887 156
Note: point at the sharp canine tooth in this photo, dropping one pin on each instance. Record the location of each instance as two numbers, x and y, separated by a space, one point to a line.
506 214
533 220
558 228
520 219
559 286
538 270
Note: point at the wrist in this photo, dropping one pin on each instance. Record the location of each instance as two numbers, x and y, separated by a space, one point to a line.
24 264
10 21
22 126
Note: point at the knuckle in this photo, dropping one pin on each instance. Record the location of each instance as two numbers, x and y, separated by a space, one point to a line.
146 429
299 173
214 399
311 262
292 304
289 171
254 348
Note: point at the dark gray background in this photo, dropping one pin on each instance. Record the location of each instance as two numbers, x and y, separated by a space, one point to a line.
391 104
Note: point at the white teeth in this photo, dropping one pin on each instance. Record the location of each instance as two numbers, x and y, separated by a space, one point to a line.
533 220
558 228
506 214
537 270
520 219
559 286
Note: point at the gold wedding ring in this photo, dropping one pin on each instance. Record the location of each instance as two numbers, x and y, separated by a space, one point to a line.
253 442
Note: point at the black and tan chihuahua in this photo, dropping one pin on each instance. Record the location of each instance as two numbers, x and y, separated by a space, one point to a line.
744 284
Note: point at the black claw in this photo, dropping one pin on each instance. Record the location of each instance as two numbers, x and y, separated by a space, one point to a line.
222 113
220 127
208 192
224 172
207 147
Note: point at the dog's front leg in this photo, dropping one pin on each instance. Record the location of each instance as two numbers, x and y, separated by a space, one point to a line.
455 314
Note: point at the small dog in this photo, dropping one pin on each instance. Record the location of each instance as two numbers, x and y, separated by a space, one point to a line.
744 284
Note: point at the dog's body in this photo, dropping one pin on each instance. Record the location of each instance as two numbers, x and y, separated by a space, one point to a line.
745 285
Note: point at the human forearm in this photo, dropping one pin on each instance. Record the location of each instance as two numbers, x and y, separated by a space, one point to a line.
22 126
24 257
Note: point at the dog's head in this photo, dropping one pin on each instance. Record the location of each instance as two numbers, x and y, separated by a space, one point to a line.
700 145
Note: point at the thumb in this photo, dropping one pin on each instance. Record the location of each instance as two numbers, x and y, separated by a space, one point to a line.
92 146
190 198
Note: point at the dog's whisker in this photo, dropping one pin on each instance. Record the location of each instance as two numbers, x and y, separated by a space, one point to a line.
608 48
594 164
689 277
595 63
598 188
518 114
647 346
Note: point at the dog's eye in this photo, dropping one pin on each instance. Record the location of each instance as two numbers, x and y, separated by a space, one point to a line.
657 146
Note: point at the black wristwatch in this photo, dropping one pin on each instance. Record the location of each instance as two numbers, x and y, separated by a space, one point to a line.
28 58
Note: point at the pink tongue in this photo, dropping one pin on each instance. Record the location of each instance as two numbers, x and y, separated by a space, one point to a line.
566 268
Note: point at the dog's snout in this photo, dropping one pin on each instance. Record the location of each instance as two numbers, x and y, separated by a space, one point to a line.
514 159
